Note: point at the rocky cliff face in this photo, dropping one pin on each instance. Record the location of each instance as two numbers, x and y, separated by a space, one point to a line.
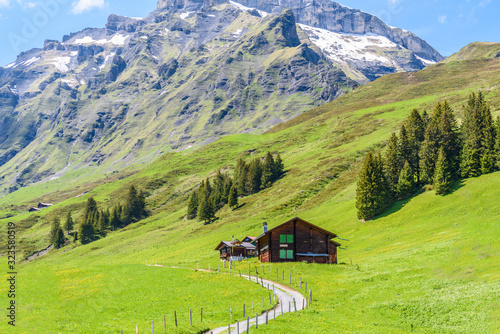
103 99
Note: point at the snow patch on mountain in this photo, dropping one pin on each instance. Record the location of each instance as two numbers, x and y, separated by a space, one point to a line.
426 62
185 15
344 47
61 63
117 39
246 9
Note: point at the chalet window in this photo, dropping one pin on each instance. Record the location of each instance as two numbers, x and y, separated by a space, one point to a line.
286 238
289 254
282 253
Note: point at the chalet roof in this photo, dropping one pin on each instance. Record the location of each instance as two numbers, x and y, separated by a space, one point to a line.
250 238
246 245
314 227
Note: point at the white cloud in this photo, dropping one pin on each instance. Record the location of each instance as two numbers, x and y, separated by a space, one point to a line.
443 19
81 6
4 3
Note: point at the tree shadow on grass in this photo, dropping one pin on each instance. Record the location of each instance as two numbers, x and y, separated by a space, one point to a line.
239 206
395 207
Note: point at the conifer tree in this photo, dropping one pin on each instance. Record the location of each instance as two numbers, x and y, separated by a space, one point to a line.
56 225
372 190
450 141
91 212
392 163
135 206
103 222
254 176
404 147
69 224
233 197
192 205
416 129
406 182
206 211
115 217
86 233
59 239
268 171
240 176
497 144
443 178
430 146
279 168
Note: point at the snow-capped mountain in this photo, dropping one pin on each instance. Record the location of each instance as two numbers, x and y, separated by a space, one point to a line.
188 73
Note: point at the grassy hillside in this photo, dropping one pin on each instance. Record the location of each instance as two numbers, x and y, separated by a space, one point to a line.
430 265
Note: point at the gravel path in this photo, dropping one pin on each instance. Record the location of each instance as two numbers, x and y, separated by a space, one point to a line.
289 301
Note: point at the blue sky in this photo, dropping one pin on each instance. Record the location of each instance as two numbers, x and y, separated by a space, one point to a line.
447 25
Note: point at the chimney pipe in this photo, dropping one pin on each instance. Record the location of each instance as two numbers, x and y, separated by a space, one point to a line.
264 227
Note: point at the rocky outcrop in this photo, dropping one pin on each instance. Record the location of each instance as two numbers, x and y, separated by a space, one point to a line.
332 16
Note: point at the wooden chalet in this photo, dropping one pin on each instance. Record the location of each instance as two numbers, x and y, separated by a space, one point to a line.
234 250
297 240
44 205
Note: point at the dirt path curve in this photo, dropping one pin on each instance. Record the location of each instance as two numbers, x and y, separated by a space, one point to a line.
289 300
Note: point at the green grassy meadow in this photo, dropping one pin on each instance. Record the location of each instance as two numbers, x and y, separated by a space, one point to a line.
429 265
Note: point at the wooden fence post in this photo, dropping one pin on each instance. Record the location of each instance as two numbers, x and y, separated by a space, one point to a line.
238 327
256 321
290 278
300 280
249 269
229 328
253 308
303 303
263 302
281 308
243 311
289 306
270 300
267 315
190 317
256 270
306 288
310 297
231 312
152 327
201 314
164 324
283 275
248 324
175 316
295 305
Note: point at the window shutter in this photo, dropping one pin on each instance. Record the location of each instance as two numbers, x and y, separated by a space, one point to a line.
282 238
289 254
282 254
289 238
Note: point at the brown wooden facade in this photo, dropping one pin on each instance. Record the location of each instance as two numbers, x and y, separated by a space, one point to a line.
297 240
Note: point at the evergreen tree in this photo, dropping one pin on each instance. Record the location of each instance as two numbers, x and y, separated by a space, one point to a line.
497 145
56 225
192 205
450 141
69 224
254 176
268 171
406 182
115 217
279 167
233 197
135 206
103 222
86 233
430 146
75 236
241 172
415 128
59 239
372 191
404 147
443 178
206 211
392 165
479 135
91 213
